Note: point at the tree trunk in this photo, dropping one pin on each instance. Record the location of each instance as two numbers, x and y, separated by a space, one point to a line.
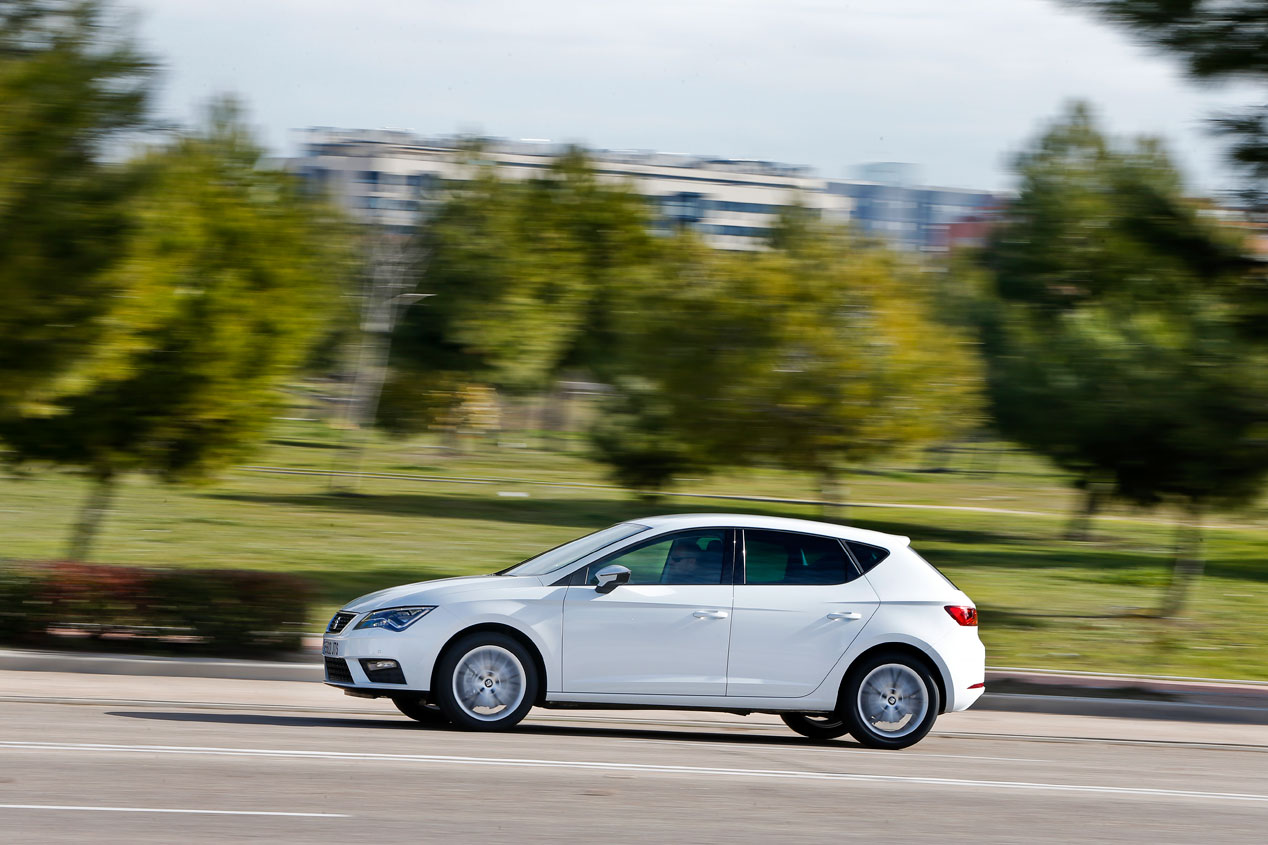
90 516
1188 563
831 494
1080 527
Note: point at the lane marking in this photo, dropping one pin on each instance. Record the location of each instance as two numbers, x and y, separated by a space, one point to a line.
169 810
878 755
529 763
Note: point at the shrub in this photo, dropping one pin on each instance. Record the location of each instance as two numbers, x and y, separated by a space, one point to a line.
215 611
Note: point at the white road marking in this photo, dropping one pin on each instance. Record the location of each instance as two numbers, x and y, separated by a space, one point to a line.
511 762
879 755
168 810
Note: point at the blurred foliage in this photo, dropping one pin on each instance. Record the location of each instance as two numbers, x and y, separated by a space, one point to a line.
1223 40
638 439
227 276
522 273
72 86
812 357
224 612
1112 330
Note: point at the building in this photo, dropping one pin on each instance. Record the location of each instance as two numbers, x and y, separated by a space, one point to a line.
886 204
386 177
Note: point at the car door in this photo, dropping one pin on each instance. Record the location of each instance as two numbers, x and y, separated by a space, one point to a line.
799 603
666 632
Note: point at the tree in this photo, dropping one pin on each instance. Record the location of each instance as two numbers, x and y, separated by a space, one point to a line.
1219 40
1112 335
231 271
72 85
814 357
524 274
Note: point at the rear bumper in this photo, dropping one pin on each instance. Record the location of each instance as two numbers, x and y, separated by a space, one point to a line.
965 672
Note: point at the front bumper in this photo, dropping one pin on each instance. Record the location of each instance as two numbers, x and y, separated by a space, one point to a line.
414 650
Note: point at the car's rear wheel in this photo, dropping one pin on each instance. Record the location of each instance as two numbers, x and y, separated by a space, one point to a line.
419 709
816 726
486 682
889 700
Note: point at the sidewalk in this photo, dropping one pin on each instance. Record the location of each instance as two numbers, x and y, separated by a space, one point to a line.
1012 690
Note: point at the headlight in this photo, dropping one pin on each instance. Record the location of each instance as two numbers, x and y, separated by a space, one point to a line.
394 618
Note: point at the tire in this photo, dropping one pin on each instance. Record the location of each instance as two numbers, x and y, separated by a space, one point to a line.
486 682
418 709
816 727
889 700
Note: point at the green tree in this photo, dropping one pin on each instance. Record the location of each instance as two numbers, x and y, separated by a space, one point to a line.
814 357
523 276
1219 40
72 85
232 270
1112 335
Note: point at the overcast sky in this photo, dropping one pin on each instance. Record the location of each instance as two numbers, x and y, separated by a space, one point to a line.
954 86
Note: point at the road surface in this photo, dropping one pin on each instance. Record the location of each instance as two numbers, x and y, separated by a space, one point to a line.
110 759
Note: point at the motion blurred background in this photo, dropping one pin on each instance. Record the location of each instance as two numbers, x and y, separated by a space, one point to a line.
243 379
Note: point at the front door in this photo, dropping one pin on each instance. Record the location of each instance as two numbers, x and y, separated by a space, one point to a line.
666 632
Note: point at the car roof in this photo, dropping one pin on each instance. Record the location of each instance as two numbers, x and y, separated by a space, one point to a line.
773 523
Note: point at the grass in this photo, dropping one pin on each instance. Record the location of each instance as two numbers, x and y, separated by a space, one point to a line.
1044 602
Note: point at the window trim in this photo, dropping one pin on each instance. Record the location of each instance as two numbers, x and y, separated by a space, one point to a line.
852 565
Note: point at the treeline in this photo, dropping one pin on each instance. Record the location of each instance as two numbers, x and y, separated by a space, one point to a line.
821 351
160 287
1110 323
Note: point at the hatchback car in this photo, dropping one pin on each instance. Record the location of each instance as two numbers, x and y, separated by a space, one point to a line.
836 629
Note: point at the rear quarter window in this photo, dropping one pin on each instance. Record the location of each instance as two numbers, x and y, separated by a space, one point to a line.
867 556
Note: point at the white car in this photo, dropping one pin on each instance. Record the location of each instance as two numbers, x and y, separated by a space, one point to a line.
836 629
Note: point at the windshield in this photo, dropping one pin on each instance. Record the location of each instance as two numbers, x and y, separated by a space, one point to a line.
574 550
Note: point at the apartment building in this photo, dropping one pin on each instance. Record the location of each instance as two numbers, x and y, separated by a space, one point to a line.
387 177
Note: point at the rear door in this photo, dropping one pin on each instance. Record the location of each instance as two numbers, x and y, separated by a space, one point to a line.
666 632
799 603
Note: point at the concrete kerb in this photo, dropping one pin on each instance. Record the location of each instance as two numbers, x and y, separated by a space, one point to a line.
1011 690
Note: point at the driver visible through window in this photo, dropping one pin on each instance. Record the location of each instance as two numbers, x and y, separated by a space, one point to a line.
692 557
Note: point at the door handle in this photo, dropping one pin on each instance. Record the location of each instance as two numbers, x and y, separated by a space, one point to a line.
711 614
840 615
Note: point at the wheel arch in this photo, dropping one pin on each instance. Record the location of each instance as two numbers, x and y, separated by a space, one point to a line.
907 650
511 631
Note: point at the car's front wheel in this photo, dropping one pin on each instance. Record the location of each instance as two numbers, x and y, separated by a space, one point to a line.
486 682
889 700
419 709
814 726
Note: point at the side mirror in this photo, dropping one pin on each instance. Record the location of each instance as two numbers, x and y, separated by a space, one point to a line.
610 577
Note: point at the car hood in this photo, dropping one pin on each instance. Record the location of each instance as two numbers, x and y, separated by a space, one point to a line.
435 592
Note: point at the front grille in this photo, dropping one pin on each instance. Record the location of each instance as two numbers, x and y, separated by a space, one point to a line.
339 622
337 671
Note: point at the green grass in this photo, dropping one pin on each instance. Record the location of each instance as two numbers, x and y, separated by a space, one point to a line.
1045 602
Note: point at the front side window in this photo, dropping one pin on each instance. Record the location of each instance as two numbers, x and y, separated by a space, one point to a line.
690 557
782 557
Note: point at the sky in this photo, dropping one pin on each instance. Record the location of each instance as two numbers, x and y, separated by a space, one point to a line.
956 87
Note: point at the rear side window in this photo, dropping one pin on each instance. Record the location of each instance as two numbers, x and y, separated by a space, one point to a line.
867 556
782 557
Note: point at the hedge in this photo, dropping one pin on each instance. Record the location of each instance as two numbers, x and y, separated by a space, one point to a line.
211 611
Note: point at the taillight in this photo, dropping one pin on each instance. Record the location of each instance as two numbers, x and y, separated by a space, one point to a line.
963 614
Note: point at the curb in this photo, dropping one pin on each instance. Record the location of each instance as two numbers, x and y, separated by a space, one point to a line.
29 660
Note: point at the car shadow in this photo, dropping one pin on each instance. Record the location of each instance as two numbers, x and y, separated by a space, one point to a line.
393 724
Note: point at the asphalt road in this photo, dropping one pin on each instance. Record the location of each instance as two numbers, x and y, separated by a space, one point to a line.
184 760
